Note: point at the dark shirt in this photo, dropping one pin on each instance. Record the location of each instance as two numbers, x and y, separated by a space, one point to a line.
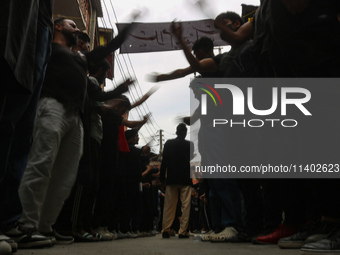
25 33
65 78
235 63
301 45
109 149
134 165
176 161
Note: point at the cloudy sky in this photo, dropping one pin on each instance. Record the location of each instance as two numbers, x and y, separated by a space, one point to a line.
172 100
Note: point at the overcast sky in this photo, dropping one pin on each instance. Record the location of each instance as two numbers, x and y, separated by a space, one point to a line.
173 97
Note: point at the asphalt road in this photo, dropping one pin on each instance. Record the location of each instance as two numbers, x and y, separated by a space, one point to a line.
158 246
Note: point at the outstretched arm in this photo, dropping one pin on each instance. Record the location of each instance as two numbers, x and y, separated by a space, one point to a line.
204 65
100 53
179 73
192 119
145 97
96 93
137 124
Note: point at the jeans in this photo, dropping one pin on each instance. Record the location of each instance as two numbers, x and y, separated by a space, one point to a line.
52 165
225 204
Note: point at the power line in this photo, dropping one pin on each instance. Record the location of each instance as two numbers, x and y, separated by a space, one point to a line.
132 92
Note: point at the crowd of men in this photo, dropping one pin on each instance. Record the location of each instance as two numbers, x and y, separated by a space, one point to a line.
71 172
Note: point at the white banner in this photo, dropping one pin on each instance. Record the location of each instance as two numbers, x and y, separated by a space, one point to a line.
151 37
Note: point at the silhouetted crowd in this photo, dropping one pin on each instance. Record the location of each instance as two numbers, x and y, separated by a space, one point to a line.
69 166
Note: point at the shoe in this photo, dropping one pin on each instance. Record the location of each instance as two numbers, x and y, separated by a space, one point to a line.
241 237
144 234
121 235
273 238
105 234
180 236
28 237
11 242
313 232
165 234
140 234
131 235
5 248
327 246
224 235
114 235
154 232
59 239
83 236
206 237
323 247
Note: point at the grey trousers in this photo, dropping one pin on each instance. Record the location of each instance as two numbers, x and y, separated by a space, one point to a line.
52 165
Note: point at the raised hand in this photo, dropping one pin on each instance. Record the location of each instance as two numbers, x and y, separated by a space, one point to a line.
128 82
176 29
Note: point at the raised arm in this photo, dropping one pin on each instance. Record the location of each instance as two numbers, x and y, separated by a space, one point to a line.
192 119
179 73
204 65
135 123
96 93
234 38
145 97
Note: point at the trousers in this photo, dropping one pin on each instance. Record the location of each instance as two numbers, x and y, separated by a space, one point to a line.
52 164
170 203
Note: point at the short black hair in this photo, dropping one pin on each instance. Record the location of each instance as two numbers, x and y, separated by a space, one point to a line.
181 129
84 37
233 16
125 102
59 20
92 63
102 64
130 133
204 43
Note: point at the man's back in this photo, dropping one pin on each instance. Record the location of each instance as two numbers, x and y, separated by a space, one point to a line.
176 161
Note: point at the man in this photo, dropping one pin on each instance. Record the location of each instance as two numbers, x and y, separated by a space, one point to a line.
23 59
232 30
106 197
175 173
77 211
57 136
133 169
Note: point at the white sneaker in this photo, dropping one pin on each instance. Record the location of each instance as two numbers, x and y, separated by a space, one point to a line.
5 248
225 234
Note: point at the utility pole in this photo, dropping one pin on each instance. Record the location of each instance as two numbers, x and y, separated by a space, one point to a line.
160 142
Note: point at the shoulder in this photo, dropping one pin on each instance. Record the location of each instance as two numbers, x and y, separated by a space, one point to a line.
93 80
